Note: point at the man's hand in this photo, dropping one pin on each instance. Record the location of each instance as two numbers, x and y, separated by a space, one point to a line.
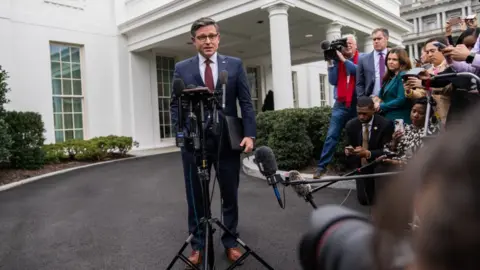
248 143
361 152
340 56
393 161
458 53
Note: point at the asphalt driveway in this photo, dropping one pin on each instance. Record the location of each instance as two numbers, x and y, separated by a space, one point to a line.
132 215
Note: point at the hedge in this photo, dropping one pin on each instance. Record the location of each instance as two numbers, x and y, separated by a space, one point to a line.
296 136
95 149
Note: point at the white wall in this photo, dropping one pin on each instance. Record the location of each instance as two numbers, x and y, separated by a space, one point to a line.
309 84
24 52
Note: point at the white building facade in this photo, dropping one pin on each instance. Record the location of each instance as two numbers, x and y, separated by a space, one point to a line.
429 17
94 68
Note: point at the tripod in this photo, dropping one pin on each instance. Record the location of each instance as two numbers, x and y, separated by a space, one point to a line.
201 97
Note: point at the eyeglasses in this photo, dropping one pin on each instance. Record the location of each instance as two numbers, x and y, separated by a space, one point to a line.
211 37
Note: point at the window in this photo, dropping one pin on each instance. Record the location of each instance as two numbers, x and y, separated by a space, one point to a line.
254 84
294 89
67 92
165 69
323 94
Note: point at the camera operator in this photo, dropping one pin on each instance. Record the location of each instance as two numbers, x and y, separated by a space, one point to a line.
203 70
341 74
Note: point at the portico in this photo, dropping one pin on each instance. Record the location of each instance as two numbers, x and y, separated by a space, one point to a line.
269 36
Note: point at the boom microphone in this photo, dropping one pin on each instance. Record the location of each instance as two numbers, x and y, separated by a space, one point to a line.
265 160
178 87
223 81
304 190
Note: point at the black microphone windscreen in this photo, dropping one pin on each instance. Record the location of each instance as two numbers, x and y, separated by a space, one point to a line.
223 77
325 44
265 159
178 86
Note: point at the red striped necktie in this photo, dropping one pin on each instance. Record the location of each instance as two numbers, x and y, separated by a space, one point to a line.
209 75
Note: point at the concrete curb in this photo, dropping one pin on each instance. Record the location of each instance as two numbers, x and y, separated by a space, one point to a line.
39 177
251 169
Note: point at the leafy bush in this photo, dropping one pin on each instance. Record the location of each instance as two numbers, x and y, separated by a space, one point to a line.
95 149
296 136
5 139
26 130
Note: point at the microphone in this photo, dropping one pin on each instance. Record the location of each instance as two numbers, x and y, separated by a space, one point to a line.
265 160
178 87
303 190
325 45
223 81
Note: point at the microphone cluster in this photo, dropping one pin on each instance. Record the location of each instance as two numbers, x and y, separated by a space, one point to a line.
188 97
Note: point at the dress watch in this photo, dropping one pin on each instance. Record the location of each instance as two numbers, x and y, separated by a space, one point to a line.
470 58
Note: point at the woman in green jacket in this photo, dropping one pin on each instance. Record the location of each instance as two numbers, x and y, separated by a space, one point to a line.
393 103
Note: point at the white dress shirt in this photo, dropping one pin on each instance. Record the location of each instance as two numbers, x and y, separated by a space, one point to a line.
213 66
376 56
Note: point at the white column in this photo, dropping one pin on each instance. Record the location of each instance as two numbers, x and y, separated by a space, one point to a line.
415 50
368 44
463 12
439 23
420 25
410 51
415 25
334 31
281 57
469 10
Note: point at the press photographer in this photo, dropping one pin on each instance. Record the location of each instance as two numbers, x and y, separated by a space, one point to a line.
342 55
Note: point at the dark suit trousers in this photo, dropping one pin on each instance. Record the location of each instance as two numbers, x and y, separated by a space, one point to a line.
228 180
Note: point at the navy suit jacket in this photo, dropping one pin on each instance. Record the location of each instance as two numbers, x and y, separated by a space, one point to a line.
237 88
365 79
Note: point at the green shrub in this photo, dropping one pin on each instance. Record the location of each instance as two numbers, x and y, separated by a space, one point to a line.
5 142
3 90
296 136
95 149
26 130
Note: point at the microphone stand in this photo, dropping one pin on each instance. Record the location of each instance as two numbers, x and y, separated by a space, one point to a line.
202 95
357 170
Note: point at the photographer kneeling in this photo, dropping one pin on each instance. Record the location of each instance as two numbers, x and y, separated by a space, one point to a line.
406 142
341 74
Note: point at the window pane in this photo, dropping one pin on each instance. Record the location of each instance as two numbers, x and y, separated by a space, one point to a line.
67 105
79 134
66 70
160 90
77 105
65 54
68 118
67 87
57 119
78 121
166 104
54 53
166 118
77 87
59 136
68 134
76 71
55 69
75 55
57 87
57 104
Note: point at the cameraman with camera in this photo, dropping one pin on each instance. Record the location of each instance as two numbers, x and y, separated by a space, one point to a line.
342 57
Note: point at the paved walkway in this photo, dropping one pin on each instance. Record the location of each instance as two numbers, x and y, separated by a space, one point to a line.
132 215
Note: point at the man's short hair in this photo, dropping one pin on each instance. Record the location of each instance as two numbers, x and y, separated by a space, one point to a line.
383 30
364 101
351 36
201 23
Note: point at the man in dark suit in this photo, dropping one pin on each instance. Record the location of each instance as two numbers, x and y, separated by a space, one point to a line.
371 66
366 137
203 70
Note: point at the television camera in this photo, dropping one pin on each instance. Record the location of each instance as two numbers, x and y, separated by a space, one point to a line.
330 48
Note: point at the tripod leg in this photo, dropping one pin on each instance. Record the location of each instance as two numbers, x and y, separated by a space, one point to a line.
180 252
247 248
